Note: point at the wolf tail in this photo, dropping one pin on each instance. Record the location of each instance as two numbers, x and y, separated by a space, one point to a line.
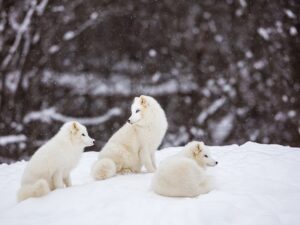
103 168
38 189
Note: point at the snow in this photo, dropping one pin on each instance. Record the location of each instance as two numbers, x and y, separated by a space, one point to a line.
279 27
259 64
53 49
239 12
168 87
289 13
292 113
285 98
20 30
94 15
69 35
243 3
264 33
223 128
12 81
118 84
152 53
293 31
218 38
41 7
11 139
156 77
180 137
47 115
211 110
255 184
59 8
280 116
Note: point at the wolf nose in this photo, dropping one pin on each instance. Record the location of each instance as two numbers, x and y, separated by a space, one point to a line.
216 163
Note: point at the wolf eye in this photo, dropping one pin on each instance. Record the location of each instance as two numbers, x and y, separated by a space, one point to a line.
206 156
137 110
83 134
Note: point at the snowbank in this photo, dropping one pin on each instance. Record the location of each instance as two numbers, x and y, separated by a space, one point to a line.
256 184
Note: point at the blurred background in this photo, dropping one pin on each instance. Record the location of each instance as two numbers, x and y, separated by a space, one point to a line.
225 71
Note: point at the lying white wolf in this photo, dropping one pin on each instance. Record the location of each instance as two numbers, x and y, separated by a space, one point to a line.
134 144
50 166
183 175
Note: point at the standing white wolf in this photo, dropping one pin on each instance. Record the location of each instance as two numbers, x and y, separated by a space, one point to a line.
134 144
183 175
50 166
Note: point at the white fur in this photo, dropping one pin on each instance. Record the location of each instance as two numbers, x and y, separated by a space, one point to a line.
50 166
134 144
183 175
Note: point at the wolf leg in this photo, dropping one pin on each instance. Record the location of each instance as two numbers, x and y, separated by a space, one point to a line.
67 180
153 160
58 180
146 160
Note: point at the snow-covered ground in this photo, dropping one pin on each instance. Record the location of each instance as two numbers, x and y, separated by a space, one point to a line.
256 184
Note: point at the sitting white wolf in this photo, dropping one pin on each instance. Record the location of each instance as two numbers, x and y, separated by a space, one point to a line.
134 144
50 166
183 175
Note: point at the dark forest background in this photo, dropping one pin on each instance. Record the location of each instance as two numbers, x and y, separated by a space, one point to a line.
225 71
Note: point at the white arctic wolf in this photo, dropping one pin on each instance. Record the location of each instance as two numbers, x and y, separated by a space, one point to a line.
134 144
50 166
183 175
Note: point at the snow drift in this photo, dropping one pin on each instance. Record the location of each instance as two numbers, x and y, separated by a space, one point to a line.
256 184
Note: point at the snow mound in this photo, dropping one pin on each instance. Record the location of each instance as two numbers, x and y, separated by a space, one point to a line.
255 184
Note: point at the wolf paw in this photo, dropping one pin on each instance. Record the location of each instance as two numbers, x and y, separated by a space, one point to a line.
125 171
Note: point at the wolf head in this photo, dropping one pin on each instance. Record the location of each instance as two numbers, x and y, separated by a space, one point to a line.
200 153
78 134
139 109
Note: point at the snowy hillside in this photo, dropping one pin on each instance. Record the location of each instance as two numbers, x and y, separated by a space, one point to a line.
256 184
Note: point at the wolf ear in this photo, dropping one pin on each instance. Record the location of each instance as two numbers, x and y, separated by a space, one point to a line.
143 100
74 127
197 150
199 147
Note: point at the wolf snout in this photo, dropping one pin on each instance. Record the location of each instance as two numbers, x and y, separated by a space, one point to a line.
91 142
213 163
